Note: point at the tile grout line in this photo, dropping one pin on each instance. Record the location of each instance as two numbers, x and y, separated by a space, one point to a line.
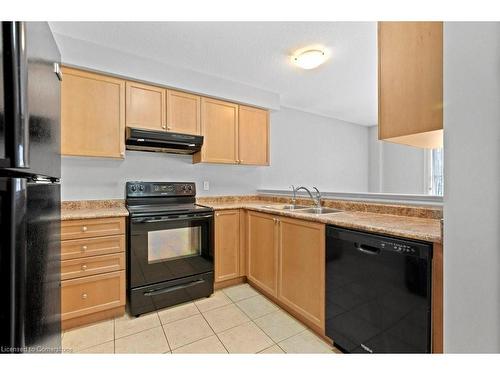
218 338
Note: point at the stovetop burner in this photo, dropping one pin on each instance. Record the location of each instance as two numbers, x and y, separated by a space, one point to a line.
157 198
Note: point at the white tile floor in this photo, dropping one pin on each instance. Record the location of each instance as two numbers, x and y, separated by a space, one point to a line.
234 320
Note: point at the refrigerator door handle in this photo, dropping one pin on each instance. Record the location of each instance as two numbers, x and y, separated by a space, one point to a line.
57 70
16 102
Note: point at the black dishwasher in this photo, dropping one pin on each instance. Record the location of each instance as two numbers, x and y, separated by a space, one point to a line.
378 293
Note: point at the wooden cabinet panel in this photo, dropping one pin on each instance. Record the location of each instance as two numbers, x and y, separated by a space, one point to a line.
146 106
85 247
219 126
411 82
262 267
183 112
253 136
88 266
437 298
227 245
301 280
73 229
88 295
92 114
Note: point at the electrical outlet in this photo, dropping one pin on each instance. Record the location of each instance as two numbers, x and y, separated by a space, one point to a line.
206 185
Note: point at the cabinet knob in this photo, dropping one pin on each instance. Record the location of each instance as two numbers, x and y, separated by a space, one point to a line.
84 267
84 228
163 127
84 295
217 214
84 248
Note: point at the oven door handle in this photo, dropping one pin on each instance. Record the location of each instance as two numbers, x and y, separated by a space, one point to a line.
141 220
172 288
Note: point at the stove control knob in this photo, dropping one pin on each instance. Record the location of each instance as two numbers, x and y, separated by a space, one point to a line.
133 188
141 187
190 188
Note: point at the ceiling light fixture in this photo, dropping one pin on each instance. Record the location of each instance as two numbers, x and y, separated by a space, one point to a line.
309 59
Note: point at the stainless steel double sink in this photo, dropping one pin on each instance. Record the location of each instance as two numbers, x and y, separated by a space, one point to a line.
302 209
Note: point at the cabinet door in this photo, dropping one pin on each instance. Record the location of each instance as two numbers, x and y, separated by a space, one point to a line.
146 106
183 112
301 282
253 136
227 245
262 267
92 114
219 127
411 82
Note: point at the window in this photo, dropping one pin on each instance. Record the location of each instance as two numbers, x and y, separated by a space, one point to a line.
436 175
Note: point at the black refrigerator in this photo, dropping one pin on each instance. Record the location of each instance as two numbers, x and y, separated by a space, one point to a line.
30 170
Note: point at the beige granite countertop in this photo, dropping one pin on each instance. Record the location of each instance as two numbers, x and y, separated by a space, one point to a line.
93 209
417 223
424 229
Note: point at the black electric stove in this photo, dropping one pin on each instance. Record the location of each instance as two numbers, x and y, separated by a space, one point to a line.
170 245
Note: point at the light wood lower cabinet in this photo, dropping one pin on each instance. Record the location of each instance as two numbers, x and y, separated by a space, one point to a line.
286 259
92 270
92 294
73 229
227 245
262 266
301 271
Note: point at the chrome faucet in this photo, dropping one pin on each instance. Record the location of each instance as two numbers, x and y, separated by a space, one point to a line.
294 199
316 200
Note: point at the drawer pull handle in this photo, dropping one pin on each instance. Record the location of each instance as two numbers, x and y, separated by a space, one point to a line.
84 228
84 248
84 296
84 267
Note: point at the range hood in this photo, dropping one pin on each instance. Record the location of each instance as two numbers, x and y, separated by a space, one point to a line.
161 141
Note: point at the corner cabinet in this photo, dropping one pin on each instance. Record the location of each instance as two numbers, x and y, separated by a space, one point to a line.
92 114
410 66
233 134
262 250
253 136
286 259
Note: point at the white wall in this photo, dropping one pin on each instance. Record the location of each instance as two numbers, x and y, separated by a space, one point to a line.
307 149
395 168
92 56
331 154
472 187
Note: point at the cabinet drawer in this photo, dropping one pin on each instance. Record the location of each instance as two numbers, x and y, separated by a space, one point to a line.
88 266
91 294
72 229
85 247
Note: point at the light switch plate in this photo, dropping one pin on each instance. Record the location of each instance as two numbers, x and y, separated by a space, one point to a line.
206 185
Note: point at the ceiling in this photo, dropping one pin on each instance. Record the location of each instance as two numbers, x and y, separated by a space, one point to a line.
257 54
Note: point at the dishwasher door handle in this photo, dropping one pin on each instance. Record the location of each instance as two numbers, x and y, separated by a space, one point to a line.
366 249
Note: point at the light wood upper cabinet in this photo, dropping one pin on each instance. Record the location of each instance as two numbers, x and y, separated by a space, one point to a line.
92 114
253 136
411 83
301 280
227 245
183 112
262 251
146 106
219 127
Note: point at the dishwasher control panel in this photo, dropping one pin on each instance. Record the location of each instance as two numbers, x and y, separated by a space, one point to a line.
398 246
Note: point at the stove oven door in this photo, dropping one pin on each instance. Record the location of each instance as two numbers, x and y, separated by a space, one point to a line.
167 248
